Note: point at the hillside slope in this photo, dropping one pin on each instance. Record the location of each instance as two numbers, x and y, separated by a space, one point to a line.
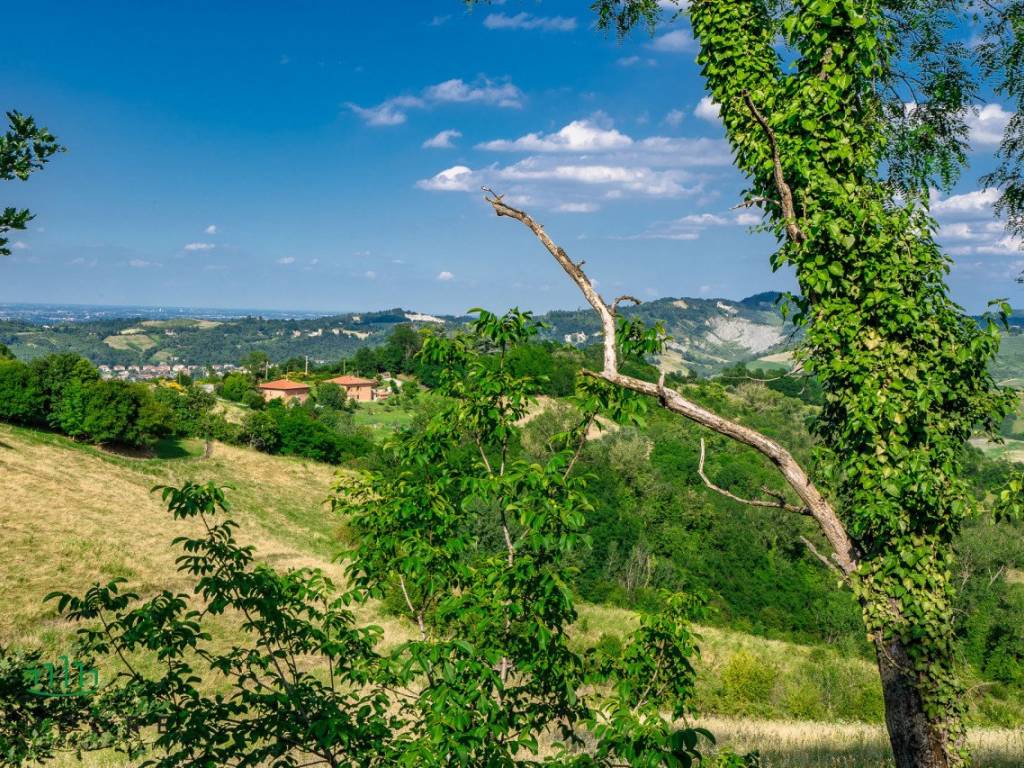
71 515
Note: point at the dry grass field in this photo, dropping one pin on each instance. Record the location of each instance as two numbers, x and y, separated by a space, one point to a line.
71 515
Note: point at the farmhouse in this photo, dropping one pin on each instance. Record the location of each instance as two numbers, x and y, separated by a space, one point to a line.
356 388
284 389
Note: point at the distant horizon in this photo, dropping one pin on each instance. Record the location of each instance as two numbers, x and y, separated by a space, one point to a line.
308 313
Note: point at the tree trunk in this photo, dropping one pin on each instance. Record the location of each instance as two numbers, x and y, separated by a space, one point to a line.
917 741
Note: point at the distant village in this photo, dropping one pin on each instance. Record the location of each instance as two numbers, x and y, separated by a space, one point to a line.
149 372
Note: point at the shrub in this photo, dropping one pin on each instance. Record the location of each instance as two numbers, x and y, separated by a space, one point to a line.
748 682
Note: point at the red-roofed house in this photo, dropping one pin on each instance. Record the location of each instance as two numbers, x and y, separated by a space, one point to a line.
356 388
284 389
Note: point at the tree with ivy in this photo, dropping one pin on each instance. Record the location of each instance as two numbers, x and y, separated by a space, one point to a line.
459 534
24 149
813 97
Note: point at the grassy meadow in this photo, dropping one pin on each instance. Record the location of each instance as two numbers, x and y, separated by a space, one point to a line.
72 514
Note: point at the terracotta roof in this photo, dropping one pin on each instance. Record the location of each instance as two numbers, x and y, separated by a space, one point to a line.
351 381
284 384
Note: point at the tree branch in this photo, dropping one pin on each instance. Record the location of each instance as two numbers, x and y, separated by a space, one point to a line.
788 209
831 565
777 503
817 505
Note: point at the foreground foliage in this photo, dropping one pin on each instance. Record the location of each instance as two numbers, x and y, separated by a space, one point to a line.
472 543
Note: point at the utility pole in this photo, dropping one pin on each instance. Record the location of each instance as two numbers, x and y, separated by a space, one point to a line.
307 365
266 370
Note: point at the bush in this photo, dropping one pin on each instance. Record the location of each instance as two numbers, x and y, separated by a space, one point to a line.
748 682
21 399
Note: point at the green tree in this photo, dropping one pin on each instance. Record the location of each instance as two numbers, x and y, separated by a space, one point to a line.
236 386
24 148
813 98
22 401
330 396
5 353
54 373
472 544
257 363
260 431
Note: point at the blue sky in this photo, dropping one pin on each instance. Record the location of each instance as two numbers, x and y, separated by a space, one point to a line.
328 155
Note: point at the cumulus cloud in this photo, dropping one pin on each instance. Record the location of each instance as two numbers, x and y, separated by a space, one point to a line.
458 178
747 219
980 201
199 246
676 41
587 162
394 111
987 125
444 276
141 264
486 92
577 136
708 109
968 226
286 260
529 21
443 140
211 230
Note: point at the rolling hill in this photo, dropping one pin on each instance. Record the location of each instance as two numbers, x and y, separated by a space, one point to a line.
72 514
706 334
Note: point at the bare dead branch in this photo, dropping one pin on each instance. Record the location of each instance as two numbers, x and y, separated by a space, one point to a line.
777 503
816 504
788 209
615 304
755 201
831 565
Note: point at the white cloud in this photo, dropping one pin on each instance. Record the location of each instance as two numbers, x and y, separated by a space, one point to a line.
577 136
529 21
199 246
979 201
141 264
708 109
370 274
675 117
688 227
390 112
211 230
458 91
81 261
982 234
702 219
987 125
588 162
437 21
676 41
443 140
458 178
1007 244
286 260
394 111
444 276
18 245
577 207
747 219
